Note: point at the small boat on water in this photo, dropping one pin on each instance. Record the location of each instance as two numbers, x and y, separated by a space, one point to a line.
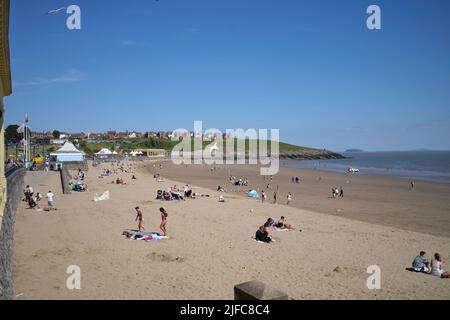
353 170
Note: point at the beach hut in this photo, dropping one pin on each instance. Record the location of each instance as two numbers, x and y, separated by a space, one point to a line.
68 153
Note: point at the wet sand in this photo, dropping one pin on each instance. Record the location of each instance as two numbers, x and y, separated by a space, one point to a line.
370 198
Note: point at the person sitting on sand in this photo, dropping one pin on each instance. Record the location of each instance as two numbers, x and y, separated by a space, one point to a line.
31 202
436 267
281 224
262 235
140 218
187 191
269 223
421 263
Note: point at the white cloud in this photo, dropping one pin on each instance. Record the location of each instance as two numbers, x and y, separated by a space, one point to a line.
72 75
128 42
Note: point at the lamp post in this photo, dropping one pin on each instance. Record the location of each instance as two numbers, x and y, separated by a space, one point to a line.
27 141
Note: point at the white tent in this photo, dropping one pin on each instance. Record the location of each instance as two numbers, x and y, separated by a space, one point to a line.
68 153
136 153
103 152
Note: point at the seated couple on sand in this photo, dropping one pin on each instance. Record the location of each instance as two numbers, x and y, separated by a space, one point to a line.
421 264
281 224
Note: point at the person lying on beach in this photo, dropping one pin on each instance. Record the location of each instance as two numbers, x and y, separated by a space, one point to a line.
176 196
163 225
262 235
437 269
281 224
140 218
421 263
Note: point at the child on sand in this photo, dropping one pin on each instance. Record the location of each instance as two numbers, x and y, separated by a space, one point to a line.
50 196
163 225
140 218
289 198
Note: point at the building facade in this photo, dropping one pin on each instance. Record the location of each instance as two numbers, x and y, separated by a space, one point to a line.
5 90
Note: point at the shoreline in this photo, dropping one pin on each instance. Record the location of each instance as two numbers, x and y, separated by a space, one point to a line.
372 198
373 175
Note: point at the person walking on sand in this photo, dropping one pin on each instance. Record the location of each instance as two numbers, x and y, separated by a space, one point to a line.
289 198
50 197
163 225
274 197
341 193
140 219
412 185
263 196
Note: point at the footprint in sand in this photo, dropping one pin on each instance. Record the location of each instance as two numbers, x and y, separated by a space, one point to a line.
165 258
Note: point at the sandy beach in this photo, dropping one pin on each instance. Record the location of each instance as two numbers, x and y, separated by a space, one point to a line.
379 222
370 198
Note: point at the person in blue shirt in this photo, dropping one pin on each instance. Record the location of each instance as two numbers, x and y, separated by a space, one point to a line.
420 263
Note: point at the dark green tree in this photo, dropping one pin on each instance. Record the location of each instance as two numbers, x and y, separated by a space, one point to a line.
56 134
11 134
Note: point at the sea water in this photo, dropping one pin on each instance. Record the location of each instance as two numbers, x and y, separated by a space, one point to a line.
416 165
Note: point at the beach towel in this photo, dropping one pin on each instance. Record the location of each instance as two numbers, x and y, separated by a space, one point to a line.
145 236
281 230
254 239
101 196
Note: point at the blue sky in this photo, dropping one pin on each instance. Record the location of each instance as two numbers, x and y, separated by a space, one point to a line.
310 68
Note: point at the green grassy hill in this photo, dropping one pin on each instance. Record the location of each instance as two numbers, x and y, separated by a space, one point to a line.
286 150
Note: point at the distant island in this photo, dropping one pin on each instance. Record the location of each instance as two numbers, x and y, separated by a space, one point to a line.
354 150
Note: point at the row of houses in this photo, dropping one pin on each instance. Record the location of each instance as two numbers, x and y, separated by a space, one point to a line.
114 135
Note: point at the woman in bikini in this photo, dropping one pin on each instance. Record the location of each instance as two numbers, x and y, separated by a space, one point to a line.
164 216
283 225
